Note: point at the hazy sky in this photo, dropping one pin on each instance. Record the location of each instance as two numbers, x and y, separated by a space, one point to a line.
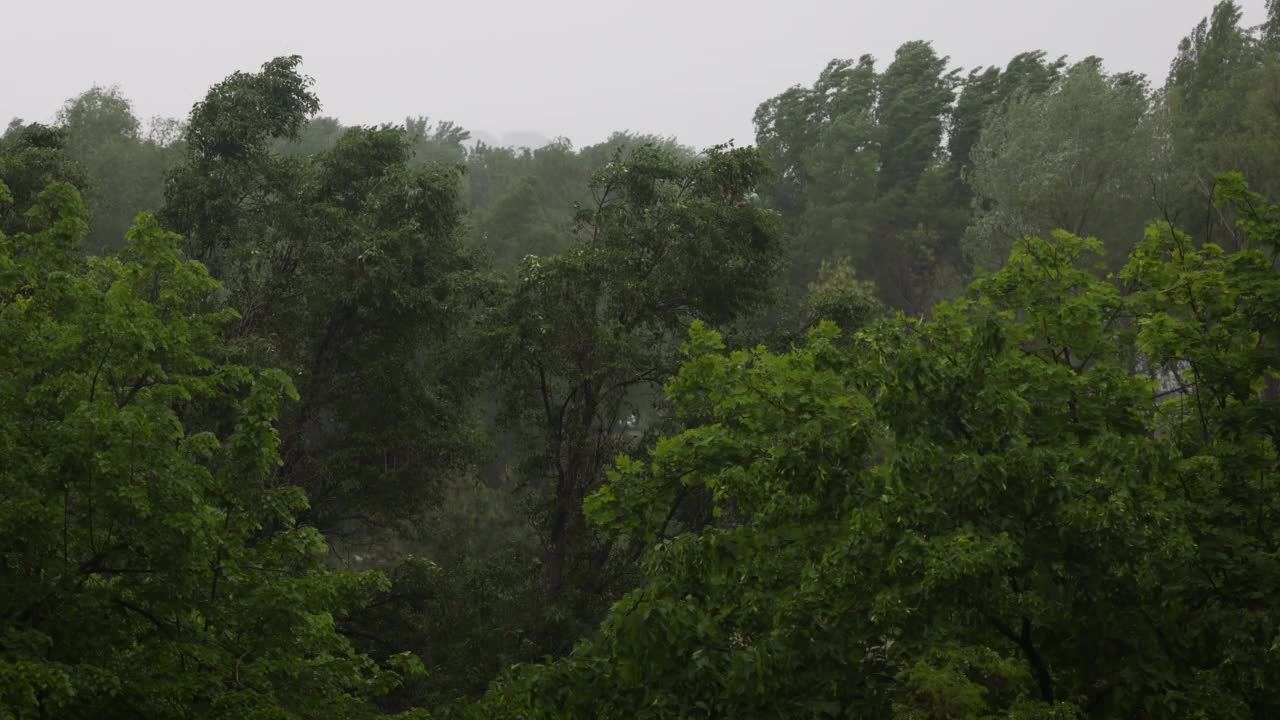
691 68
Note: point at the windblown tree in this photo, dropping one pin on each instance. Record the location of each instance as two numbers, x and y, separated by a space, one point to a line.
983 514
985 93
1222 103
860 174
349 272
1080 156
592 333
153 564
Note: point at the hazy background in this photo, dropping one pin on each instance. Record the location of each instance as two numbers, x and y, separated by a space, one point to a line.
695 69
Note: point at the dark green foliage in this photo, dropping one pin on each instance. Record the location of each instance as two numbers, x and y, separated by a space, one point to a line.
587 336
348 269
31 158
531 397
860 177
241 115
151 567
916 93
985 514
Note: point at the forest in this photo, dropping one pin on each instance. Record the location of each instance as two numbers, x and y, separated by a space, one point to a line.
953 396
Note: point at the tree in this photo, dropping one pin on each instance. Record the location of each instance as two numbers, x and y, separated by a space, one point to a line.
588 336
523 202
838 295
858 167
154 566
789 126
987 92
988 513
124 170
840 170
351 273
1222 106
1078 157
31 158
1271 28
317 135
916 93
443 141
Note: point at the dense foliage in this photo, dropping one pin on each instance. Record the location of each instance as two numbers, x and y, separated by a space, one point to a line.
956 396
152 567
992 512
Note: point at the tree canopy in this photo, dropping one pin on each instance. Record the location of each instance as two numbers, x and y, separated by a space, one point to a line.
153 566
955 397
993 512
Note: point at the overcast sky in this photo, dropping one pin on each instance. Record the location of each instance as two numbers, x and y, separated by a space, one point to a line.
695 69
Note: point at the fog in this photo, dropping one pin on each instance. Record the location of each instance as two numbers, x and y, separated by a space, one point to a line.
572 68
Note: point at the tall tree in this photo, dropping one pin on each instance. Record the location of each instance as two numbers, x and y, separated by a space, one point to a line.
124 169
916 92
981 514
857 172
1222 102
591 332
789 127
986 92
154 567
349 269
1078 157
838 172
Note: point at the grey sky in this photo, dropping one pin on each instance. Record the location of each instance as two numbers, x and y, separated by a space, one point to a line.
578 68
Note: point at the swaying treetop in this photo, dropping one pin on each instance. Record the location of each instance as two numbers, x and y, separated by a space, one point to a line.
152 565
989 513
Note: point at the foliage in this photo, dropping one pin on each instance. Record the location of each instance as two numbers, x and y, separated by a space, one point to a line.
587 335
1052 497
349 271
1222 100
858 172
986 92
31 158
124 169
524 202
989 513
1077 156
152 567
840 296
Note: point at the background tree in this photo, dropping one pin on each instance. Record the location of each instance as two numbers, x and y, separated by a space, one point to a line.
591 332
350 272
124 169
1078 157
984 93
859 174
1223 112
